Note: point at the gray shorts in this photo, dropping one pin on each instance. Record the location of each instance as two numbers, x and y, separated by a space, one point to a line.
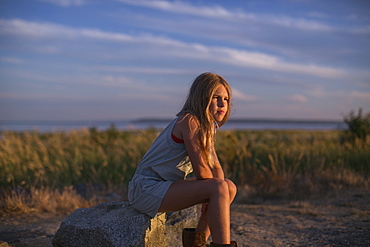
146 191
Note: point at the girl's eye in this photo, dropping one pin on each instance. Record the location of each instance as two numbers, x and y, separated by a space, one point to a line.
218 97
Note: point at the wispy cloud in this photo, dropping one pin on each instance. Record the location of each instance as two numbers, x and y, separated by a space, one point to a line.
141 70
11 60
41 96
303 38
66 3
87 86
17 27
182 7
124 88
270 62
343 97
49 30
361 30
220 12
194 50
363 96
299 23
300 58
298 98
240 96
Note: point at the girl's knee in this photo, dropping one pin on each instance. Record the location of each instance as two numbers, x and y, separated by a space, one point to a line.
219 185
231 187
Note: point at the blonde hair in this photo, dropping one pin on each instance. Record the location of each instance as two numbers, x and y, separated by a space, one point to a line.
197 104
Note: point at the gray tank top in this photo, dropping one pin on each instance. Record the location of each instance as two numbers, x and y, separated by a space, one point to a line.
166 158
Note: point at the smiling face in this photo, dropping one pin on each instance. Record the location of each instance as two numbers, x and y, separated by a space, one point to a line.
219 103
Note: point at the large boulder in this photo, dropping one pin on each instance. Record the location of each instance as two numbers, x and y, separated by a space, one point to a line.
175 222
116 224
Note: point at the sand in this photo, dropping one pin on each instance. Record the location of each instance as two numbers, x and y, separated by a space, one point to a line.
340 219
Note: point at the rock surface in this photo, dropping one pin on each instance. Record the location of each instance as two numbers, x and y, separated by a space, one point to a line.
178 220
117 224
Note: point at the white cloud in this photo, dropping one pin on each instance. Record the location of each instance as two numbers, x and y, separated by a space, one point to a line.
318 92
42 96
219 12
238 95
269 62
363 96
361 30
196 51
127 88
30 29
97 34
342 97
66 3
142 70
11 60
317 14
109 81
185 8
48 49
90 87
46 30
298 98
298 23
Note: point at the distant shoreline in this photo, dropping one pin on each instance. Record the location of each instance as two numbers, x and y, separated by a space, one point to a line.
163 120
144 123
254 120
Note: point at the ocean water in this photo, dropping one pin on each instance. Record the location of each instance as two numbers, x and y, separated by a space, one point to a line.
232 124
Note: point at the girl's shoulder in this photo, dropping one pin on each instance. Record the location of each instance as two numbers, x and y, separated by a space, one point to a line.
187 121
185 125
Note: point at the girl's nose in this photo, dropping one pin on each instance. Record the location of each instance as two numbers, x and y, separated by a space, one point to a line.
220 103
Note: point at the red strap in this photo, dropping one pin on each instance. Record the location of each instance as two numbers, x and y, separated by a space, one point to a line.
176 139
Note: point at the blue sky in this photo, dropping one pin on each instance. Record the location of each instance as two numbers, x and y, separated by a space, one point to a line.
128 59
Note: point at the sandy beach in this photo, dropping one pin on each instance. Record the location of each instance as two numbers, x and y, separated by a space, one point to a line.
337 220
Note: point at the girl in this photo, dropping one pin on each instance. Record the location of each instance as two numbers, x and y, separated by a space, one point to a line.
186 145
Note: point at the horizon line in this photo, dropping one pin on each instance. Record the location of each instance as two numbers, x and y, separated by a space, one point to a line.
164 119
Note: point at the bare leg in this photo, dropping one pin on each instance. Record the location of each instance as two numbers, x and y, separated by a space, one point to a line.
186 193
203 222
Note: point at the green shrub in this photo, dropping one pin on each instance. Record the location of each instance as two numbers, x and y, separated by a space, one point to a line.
358 126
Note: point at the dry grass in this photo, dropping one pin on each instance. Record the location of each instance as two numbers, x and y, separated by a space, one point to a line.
293 164
43 200
55 160
288 164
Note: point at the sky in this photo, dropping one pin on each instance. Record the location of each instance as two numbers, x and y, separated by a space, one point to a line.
130 59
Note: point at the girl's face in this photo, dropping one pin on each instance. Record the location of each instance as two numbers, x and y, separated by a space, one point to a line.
219 103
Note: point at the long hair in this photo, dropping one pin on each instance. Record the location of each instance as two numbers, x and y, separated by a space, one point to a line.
197 104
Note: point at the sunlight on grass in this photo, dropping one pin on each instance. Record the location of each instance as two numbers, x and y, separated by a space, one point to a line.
268 163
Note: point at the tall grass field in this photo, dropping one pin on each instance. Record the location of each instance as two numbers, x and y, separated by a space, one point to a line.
38 168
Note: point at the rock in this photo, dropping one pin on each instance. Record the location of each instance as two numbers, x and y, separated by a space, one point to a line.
116 224
176 221
107 224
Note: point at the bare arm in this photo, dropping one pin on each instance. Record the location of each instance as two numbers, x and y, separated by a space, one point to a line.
189 129
217 171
